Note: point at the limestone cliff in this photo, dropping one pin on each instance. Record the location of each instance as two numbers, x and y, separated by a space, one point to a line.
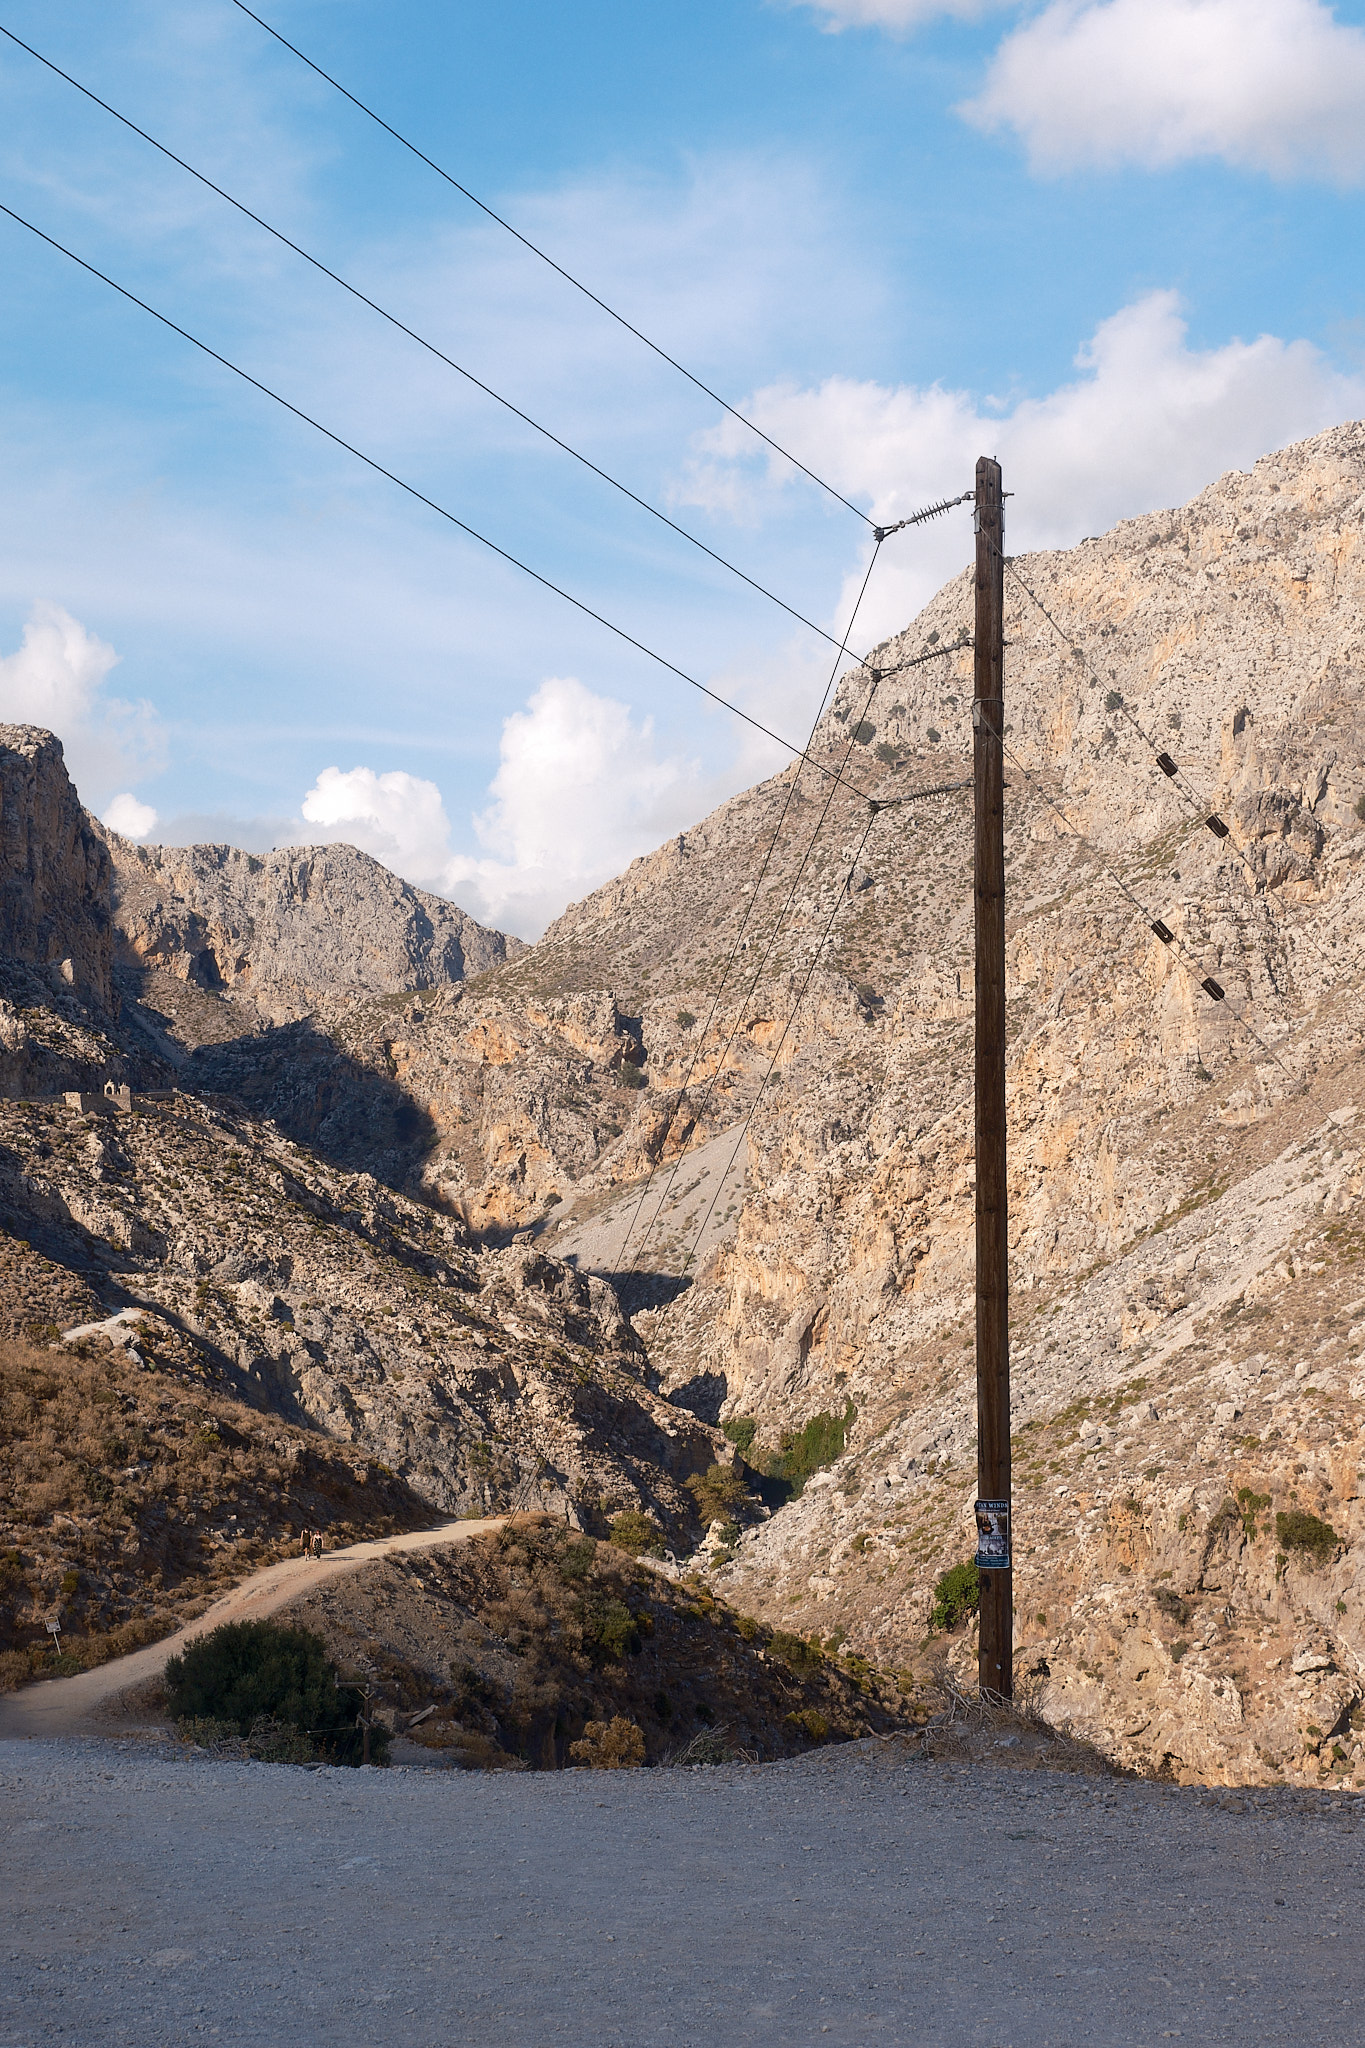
1187 1250
290 931
54 871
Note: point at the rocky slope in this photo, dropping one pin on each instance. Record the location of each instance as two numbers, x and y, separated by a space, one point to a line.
1186 1231
282 934
216 1253
790 985
499 1653
134 1491
1184 1188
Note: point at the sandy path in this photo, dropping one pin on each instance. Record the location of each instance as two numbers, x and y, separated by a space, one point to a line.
71 1706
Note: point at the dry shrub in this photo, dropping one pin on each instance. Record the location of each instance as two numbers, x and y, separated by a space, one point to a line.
615 1745
144 1465
984 1728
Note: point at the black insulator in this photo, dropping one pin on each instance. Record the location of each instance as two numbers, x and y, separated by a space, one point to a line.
1166 765
1163 932
1211 988
1216 826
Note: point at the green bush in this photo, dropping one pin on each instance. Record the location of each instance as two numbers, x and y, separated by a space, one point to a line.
1297 1530
1113 699
685 1020
248 1672
576 1559
633 1532
609 1628
810 1449
795 1651
956 1595
717 1492
741 1430
864 733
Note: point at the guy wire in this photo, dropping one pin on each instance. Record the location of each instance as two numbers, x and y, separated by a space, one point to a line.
1175 942
1199 806
734 954
839 902
758 976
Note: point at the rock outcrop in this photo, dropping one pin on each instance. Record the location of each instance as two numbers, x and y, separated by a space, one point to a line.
292 931
54 871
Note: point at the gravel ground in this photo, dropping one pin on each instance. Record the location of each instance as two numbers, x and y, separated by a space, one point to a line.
855 1897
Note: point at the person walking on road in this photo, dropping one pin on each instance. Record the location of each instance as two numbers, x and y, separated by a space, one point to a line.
317 1543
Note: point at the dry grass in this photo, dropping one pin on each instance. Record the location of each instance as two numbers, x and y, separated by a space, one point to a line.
983 1728
134 1496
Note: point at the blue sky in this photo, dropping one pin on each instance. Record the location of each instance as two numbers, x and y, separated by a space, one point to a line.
1115 241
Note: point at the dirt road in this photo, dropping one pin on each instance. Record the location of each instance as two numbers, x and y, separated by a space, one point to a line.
856 1899
81 1705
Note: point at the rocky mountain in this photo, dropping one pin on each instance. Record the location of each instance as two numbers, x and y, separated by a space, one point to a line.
1188 1257
146 1221
1186 1237
732 1090
283 934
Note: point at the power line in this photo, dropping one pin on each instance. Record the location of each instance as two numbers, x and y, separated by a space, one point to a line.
365 300
1198 804
750 905
836 775
1211 988
795 1012
558 268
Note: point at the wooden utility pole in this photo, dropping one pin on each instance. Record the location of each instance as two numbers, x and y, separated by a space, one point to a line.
994 1542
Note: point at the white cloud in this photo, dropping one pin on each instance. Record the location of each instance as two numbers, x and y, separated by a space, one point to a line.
131 819
1267 85
399 818
56 679
580 790
1148 423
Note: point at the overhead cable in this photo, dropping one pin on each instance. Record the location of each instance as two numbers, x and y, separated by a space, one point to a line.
739 940
558 268
1196 803
836 775
1162 931
839 902
401 325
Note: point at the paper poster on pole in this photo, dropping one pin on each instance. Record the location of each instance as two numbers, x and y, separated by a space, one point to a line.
992 1535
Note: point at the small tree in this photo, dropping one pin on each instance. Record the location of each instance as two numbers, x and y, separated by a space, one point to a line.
636 1533
957 1594
247 1671
718 1492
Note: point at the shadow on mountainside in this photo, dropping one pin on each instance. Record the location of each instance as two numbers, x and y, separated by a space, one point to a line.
299 1078
640 1290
